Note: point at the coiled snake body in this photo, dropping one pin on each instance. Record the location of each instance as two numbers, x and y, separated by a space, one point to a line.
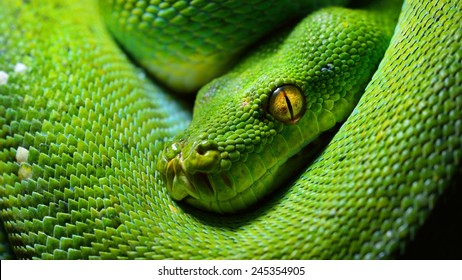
83 132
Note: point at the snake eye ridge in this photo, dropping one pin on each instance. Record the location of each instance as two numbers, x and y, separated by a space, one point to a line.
287 104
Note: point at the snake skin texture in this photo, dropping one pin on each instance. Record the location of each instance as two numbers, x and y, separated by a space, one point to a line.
82 130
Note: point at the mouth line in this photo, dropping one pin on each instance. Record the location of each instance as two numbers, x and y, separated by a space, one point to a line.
228 191
205 186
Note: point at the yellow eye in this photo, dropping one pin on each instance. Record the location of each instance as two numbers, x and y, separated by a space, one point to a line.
287 104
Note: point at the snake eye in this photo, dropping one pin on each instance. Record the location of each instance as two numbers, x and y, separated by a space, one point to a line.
287 104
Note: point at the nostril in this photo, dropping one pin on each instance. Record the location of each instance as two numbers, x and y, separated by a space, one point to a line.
201 150
203 147
204 157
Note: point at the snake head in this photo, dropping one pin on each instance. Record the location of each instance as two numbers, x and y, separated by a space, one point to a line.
214 163
236 148
250 124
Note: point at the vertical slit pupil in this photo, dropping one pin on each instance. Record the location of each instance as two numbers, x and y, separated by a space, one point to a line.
289 105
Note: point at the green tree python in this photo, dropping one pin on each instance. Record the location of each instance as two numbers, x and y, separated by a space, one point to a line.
334 139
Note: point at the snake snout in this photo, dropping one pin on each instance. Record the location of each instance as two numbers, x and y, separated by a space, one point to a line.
186 168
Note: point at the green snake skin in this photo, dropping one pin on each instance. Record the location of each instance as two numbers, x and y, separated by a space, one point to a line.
94 127
200 39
